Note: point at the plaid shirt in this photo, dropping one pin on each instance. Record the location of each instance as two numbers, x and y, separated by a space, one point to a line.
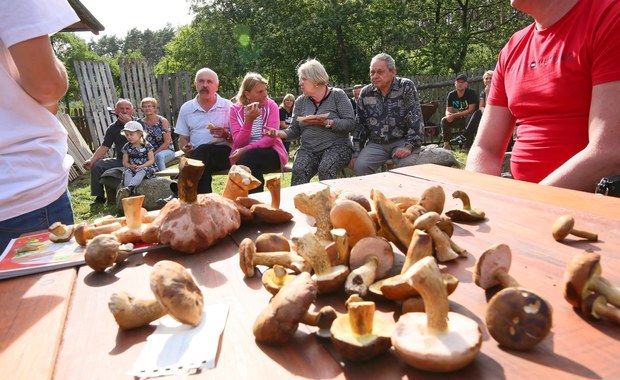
384 119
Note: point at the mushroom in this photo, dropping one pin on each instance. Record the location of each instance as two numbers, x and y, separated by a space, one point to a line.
443 248
438 340
272 242
583 275
193 222
397 288
239 182
563 226
275 278
60 233
176 294
351 216
83 232
404 201
279 320
392 221
371 258
595 305
517 318
145 216
360 334
328 277
433 199
249 259
317 204
355 197
338 250
271 214
104 250
132 231
466 213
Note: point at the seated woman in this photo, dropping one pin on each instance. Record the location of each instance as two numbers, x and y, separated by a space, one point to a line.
286 115
158 133
253 114
323 119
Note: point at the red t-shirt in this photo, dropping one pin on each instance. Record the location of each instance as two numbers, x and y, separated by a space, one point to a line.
545 78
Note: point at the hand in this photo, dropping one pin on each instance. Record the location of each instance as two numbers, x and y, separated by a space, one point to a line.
401 152
451 117
124 118
218 132
272 132
352 163
87 164
237 153
251 112
187 148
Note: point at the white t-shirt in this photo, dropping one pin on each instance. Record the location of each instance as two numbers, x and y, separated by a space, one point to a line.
193 121
33 144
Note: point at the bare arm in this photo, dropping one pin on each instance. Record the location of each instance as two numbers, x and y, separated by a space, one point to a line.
41 74
167 136
99 153
487 151
600 157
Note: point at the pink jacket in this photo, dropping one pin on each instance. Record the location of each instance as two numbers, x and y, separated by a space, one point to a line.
241 130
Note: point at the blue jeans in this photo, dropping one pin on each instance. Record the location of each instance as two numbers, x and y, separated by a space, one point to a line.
162 158
58 211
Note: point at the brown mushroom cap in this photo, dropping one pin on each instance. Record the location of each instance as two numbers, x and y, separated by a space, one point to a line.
272 242
563 226
355 197
433 199
351 216
393 222
495 259
373 246
518 318
578 275
279 320
101 252
177 292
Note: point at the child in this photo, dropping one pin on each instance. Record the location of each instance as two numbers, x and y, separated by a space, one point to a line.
138 158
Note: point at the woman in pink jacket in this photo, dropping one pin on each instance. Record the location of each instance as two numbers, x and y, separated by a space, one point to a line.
253 113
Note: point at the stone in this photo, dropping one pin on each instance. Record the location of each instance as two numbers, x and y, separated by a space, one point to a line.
432 154
153 189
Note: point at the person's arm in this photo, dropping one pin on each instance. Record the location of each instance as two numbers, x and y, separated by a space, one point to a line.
167 136
126 160
414 122
600 157
185 145
99 153
487 151
150 161
271 123
41 74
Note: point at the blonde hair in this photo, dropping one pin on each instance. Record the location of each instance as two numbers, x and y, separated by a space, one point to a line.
487 73
153 101
287 97
249 82
314 71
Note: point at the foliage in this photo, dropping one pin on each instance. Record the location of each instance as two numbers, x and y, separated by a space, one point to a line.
148 44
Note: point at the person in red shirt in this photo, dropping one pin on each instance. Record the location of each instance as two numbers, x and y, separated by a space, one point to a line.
558 80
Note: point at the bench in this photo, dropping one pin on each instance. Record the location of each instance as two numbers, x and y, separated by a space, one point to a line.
174 171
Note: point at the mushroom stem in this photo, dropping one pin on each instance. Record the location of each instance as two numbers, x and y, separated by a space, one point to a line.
443 248
464 198
506 280
190 171
425 277
339 235
605 288
420 246
273 185
360 278
317 204
322 319
361 317
280 274
130 313
286 259
596 306
584 234
132 208
309 247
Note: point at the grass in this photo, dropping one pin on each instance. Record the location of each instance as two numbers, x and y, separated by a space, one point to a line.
83 211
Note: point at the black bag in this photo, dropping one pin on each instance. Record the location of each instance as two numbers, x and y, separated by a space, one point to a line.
609 186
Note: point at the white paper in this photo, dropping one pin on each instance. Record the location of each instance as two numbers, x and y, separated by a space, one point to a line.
174 348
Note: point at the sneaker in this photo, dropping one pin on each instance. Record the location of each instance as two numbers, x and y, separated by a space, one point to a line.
99 200
132 190
458 140
125 192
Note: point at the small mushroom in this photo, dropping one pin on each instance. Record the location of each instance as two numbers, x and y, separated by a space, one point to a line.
466 213
176 294
583 275
275 278
83 232
104 251
443 247
563 226
328 277
371 258
338 250
397 288
360 334
272 242
317 204
438 340
60 233
517 318
249 258
279 320
271 214
433 199
595 305
351 216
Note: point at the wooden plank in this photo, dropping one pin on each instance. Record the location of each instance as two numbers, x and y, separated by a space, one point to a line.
164 96
87 100
32 317
122 63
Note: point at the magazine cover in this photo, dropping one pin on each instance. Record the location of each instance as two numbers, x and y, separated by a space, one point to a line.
36 253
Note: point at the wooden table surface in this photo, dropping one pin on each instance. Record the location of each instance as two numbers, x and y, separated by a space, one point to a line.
37 342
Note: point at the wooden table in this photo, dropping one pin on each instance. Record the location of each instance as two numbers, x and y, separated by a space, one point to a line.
88 345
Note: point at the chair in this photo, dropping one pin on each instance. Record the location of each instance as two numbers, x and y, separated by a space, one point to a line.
431 130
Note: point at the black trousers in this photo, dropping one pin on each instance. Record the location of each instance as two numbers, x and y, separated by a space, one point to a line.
261 161
215 158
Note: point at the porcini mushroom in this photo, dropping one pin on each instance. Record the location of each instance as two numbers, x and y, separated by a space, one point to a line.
132 231
371 258
360 334
356 197
328 277
433 199
239 182
83 232
443 249
438 340
517 318
104 250
249 258
279 320
563 226
351 216
583 275
60 233
466 213
318 204
271 214
176 294
272 242
275 278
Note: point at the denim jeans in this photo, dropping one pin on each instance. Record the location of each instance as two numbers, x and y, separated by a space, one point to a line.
162 157
58 211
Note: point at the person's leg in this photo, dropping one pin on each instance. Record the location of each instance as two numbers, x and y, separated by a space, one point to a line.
371 158
260 161
448 129
96 189
305 166
333 160
468 135
410 160
136 179
162 158
215 158
58 211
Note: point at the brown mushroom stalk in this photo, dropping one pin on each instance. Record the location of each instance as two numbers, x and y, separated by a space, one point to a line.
443 248
583 275
273 184
397 288
132 231
249 258
318 205
466 213
595 305
371 258
239 182
564 226
359 334
275 278
130 312
339 250
105 250
421 245
438 340
323 319
145 216
83 232
60 233
271 214
328 278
